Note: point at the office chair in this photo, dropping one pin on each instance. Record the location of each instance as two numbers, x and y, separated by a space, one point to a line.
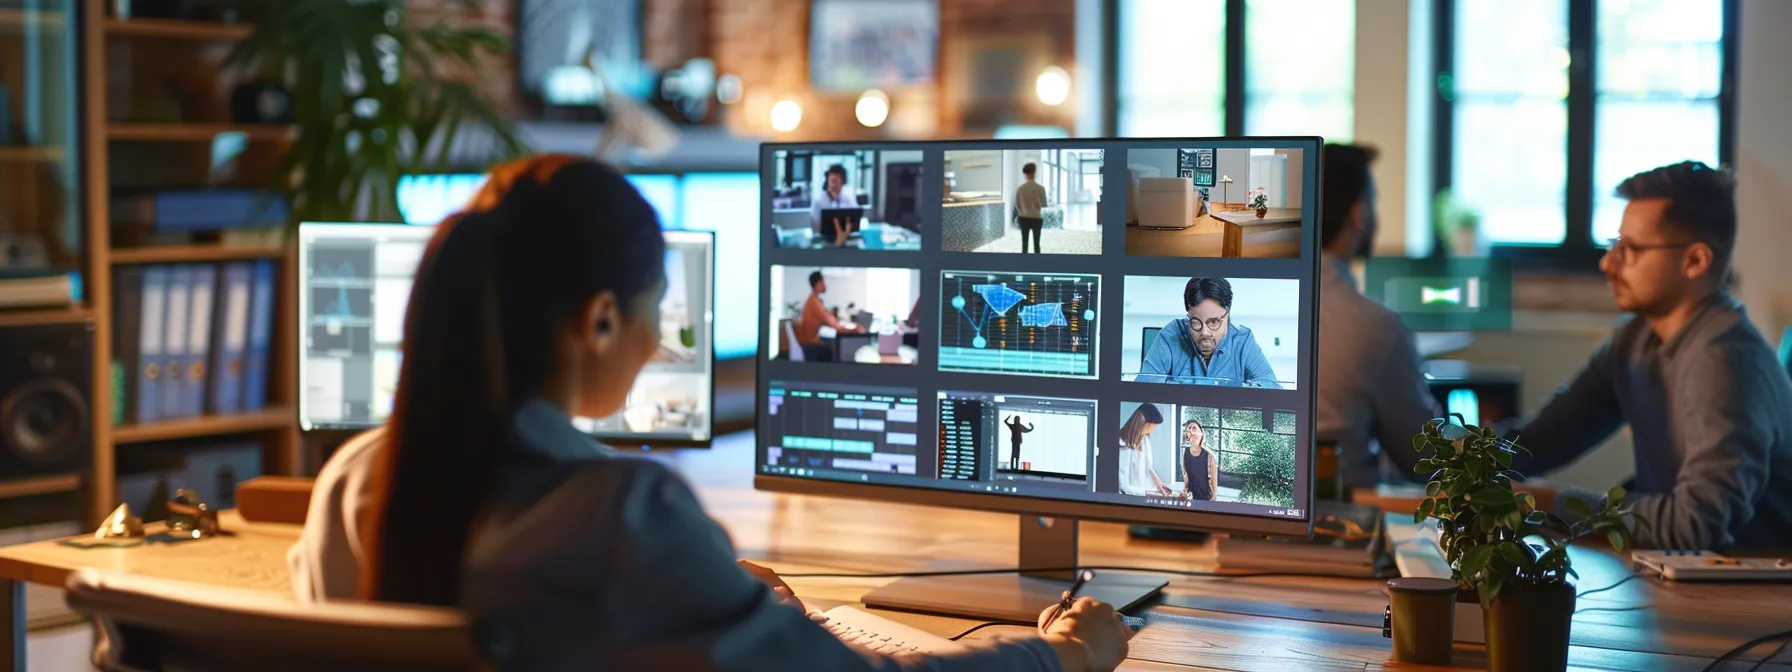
146 624
791 347
1148 337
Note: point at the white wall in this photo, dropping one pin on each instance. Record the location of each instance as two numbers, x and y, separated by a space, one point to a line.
976 169
1296 167
1164 160
1233 163
1764 164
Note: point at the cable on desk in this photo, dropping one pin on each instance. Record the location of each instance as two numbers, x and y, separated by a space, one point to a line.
1776 653
1019 570
1621 582
981 626
1745 648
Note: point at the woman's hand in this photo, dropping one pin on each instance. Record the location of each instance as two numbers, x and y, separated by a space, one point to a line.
771 579
1087 636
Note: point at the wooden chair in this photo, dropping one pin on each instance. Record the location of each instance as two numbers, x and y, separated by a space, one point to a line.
146 624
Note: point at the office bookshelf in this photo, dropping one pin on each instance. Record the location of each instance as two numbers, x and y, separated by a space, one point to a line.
108 149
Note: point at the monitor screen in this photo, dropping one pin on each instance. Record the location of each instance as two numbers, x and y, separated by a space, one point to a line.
720 203
428 198
1073 328
354 284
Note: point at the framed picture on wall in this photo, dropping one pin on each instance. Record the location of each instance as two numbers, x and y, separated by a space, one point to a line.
864 44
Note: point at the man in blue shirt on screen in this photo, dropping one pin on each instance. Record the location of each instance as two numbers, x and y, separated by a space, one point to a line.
1206 344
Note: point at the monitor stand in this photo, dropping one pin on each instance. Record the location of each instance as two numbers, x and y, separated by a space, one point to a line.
1044 543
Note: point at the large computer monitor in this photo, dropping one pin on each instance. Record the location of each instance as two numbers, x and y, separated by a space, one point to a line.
427 198
354 284
1070 381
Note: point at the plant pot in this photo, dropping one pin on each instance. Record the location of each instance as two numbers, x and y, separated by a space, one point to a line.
1261 212
1527 627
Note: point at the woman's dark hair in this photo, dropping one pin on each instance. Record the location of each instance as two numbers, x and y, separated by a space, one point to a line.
496 282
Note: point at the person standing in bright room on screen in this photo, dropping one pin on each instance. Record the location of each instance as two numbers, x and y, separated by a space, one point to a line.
1371 388
1016 429
1206 343
834 195
1137 477
815 316
1029 208
1200 466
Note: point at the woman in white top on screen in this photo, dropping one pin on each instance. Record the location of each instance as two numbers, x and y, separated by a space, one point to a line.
1136 475
834 195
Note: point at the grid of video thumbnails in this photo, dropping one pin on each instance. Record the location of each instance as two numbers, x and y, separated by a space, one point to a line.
967 318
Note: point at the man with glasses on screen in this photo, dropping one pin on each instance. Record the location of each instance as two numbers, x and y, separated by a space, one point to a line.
1709 407
1206 344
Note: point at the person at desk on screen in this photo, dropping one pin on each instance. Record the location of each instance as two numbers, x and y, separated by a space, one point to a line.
834 195
816 315
1206 343
1137 477
1200 467
1371 389
1709 406
564 554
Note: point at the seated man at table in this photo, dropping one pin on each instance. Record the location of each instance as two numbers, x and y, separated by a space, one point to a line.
1206 344
1709 407
1370 385
815 316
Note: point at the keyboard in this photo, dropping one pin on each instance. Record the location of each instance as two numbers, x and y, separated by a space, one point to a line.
877 634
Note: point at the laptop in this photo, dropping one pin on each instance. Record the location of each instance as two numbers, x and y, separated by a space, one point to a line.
852 216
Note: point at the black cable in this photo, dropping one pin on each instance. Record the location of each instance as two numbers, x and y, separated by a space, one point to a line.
1018 570
1745 648
975 628
1627 579
1776 653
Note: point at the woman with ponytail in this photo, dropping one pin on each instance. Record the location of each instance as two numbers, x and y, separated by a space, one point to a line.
537 304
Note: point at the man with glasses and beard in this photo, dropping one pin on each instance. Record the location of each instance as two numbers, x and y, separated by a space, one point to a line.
1708 405
1206 344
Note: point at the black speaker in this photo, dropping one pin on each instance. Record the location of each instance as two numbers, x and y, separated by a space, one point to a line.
46 378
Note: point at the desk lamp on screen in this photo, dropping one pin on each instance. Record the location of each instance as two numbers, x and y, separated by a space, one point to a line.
957 371
355 280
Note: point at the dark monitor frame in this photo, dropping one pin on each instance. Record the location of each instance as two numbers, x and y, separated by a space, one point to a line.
1023 504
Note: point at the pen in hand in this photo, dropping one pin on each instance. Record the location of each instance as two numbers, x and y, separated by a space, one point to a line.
1082 577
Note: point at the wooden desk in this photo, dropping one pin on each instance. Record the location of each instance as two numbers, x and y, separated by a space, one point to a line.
1266 623
1238 221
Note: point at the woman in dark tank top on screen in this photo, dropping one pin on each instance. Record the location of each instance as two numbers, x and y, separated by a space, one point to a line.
1200 467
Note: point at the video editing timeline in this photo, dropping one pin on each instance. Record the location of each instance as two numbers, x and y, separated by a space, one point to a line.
1020 323
356 280
995 437
850 427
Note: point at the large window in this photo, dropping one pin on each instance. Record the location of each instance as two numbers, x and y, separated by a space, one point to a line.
1300 68
1660 74
1547 104
1232 67
1172 68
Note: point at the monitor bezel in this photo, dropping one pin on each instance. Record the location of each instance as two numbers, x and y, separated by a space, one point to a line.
1031 505
666 441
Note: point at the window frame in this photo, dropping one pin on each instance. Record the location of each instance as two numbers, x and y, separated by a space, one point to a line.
1578 251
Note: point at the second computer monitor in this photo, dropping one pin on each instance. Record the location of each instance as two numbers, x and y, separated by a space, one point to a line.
354 284
1096 329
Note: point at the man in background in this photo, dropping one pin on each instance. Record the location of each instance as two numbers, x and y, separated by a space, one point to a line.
1029 208
1371 389
1709 406
816 315
1016 428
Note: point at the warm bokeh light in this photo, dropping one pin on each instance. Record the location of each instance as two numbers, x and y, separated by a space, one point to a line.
1053 86
786 115
873 108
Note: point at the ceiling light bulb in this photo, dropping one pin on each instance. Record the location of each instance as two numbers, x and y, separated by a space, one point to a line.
786 115
873 108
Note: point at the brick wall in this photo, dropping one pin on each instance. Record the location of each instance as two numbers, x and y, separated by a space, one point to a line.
765 43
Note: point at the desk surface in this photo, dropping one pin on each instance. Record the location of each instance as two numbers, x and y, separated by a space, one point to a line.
1265 623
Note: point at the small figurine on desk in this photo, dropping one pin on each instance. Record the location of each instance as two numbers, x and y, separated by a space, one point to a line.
117 530
190 517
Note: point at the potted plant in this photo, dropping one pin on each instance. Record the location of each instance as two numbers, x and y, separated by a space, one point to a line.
377 97
1260 202
1512 556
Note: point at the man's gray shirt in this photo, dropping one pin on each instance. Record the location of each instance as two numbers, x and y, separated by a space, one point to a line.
1710 413
1370 385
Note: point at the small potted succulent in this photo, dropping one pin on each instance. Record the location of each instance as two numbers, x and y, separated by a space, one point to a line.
1510 555
1260 202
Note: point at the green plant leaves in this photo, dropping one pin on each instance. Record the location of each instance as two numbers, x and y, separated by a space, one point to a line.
1578 507
1614 496
1432 488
